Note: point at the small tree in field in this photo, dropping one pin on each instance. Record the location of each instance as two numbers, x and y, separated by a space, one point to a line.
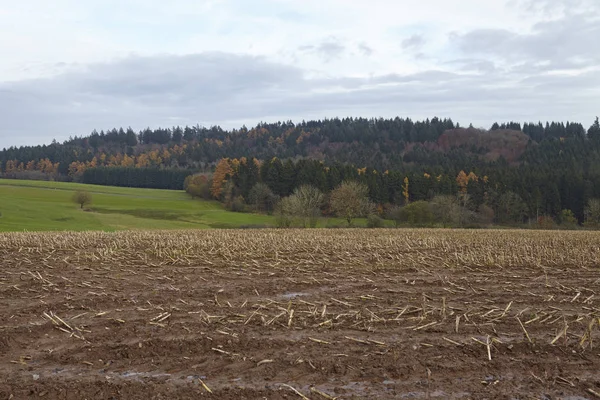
82 198
350 200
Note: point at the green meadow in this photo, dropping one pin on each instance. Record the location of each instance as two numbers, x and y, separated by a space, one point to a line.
47 206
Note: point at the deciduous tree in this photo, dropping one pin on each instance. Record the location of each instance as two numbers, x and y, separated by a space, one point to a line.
82 198
350 200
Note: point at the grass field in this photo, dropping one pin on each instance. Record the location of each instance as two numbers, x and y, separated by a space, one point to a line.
47 206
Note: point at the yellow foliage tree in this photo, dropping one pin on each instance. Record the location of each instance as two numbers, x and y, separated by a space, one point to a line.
127 161
142 161
11 166
76 169
222 172
463 180
405 191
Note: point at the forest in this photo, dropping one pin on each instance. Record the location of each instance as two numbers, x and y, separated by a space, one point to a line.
510 173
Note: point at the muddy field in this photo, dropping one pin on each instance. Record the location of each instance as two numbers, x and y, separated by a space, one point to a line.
348 314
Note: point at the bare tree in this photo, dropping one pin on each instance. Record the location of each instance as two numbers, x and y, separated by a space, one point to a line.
350 200
308 200
262 198
305 204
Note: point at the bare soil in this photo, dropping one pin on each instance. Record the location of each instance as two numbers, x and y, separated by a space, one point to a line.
348 314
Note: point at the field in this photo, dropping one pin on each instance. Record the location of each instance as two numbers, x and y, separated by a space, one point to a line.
47 206
298 314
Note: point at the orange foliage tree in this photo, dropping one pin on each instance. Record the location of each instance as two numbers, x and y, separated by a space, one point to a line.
223 172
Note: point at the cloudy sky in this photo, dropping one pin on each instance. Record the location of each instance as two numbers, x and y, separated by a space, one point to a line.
70 66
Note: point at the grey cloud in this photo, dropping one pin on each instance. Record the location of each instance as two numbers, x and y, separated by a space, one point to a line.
365 50
327 50
413 42
227 89
549 7
561 42
474 65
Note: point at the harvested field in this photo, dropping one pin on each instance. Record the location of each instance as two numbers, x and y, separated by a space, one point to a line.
299 314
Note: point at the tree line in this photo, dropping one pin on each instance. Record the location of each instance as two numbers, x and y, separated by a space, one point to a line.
542 169
460 199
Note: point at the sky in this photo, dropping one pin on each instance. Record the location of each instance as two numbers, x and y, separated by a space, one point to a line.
68 67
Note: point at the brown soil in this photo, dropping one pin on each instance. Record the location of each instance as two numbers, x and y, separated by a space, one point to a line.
349 314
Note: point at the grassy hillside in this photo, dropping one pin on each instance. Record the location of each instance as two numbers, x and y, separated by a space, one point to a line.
47 206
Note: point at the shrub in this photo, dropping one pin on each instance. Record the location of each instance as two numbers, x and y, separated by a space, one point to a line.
262 198
374 221
236 205
567 219
395 215
417 213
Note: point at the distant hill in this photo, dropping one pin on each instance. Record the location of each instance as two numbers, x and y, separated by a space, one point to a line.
551 166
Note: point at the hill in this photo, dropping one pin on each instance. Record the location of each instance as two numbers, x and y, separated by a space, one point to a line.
537 169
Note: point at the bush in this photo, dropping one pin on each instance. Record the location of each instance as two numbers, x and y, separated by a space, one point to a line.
262 198
236 205
374 221
417 213
546 222
567 219
592 214
283 213
485 215
394 214
198 186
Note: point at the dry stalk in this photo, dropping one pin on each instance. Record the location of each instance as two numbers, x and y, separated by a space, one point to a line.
295 391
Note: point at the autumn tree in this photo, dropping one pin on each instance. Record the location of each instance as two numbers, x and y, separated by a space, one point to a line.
222 174
350 200
197 186
142 161
405 193
82 198
462 180
127 161
76 170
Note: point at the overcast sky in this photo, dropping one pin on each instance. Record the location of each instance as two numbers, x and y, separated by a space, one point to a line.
70 66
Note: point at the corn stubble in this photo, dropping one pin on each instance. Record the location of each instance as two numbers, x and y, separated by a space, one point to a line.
325 298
